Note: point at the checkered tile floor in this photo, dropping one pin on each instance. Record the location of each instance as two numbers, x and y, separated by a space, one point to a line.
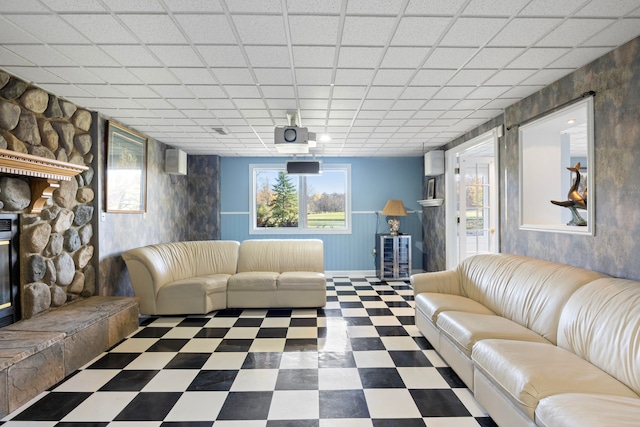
360 361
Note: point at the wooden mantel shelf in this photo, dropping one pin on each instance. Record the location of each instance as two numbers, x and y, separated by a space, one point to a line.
48 172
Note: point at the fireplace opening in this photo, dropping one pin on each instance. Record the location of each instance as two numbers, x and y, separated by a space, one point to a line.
9 270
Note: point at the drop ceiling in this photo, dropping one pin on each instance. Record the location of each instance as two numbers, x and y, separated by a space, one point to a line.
380 77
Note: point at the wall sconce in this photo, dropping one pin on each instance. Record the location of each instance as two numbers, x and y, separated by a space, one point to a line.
394 208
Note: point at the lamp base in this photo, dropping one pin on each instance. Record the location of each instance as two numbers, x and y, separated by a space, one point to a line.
394 226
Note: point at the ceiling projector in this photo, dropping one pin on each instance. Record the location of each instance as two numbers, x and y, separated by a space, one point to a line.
293 139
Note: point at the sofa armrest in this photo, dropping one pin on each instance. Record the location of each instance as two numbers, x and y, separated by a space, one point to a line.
442 282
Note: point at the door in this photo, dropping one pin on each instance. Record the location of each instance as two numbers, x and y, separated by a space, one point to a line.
471 188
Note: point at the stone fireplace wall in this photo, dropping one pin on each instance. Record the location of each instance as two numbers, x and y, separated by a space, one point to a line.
57 244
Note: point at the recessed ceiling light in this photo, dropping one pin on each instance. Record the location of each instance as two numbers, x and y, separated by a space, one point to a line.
571 121
324 138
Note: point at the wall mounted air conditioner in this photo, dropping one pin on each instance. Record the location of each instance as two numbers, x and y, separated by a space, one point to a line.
175 162
434 163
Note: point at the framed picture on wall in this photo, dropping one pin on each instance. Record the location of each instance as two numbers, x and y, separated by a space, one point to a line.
431 189
126 180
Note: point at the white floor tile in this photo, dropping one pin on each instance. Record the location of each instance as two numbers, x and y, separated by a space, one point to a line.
373 359
197 406
295 405
255 380
472 405
354 312
134 345
385 321
101 406
299 360
450 422
362 331
183 332
152 360
240 333
422 378
201 345
171 380
221 322
89 380
346 422
339 379
267 345
399 343
391 403
302 332
276 322
225 361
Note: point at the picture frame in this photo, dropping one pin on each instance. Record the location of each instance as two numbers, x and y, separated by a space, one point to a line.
431 189
126 171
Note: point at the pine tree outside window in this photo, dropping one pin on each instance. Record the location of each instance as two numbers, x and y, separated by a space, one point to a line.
300 204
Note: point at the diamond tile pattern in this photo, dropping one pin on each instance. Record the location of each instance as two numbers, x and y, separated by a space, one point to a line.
359 361
175 69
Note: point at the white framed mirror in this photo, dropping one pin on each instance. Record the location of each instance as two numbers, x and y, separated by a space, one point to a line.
556 171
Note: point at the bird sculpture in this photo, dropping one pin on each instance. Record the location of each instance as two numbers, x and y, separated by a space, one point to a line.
575 199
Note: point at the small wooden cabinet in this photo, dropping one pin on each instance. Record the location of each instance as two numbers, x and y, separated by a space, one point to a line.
393 256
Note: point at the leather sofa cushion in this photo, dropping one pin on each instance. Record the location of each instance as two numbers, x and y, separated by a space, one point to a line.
281 255
601 324
190 295
465 329
588 410
253 281
432 304
527 372
301 280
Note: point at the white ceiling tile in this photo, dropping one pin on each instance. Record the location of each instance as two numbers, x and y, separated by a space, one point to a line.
193 6
136 90
312 76
313 56
349 92
367 7
171 91
524 31
454 92
493 57
385 92
578 57
217 105
408 104
377 104
115 75
449 57
86 55
154 29
273 76
353 77
315 104
546 77
404 57
345 104
509 77
419 92
359 57
313 91
234 76
42 55
615 35
131 56
8 58
194 75
418 31
268 56
600 8
67 89
367 30
472 31
574 32
392 77
11 33
40 26
101 29
254 6
487 92
552 7
470 77
372 114
222 56
433 77
439 104
284 104
153 75
155 104
470 104
177 56
260 29
240 91
76 75
501 103
434 7
538 57
133 6
183 104
314 6
494 7
22 6
206 29
314 30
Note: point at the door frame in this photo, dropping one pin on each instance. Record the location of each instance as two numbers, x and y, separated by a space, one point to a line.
451 201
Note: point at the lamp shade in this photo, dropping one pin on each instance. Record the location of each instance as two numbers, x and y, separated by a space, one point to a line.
394 208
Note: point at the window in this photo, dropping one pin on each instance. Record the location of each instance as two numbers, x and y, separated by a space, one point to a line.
310 204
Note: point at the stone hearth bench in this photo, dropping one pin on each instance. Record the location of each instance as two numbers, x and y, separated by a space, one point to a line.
39 352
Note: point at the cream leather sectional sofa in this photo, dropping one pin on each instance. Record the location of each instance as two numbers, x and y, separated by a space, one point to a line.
538 343
201 276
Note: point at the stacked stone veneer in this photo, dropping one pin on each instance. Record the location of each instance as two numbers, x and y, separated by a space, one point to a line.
56 249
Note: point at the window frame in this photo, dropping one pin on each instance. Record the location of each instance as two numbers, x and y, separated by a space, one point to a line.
302 202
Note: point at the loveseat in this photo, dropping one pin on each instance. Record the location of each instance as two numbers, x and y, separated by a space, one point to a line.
538 343
201 276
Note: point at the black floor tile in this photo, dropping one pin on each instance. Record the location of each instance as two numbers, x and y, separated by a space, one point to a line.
303 322
301 344
380 378
235 345
343 404
392 331
188 361
114 361
152 332
248 405
293 423
248 322
379 312
257 360
212 333
358 321
213 381
129 380
336 360
272 333
193 322
398 422
172 345
52 407
367 344
297 379
409 359
451 377
149 407
439 403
